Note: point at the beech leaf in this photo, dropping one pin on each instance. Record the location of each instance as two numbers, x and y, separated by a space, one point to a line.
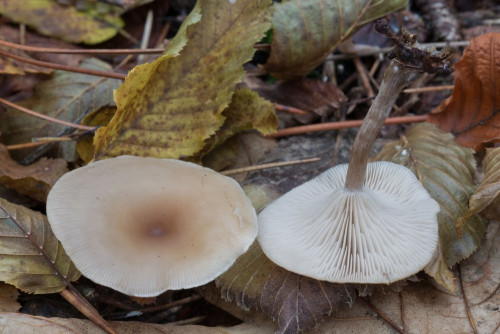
34 180
306 31
31 258
296 303
486 198
67 96
64 22
446 170
472 111
167 109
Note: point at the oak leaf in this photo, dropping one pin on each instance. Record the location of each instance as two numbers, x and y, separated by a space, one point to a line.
167 109
306 31
31 258
34 180
446 170
472 112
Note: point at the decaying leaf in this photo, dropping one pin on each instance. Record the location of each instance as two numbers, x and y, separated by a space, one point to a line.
306 31
319 98
167 109
296 303
472 112
486 198
34 180
8 298
446 170
67 96
64 22
31 258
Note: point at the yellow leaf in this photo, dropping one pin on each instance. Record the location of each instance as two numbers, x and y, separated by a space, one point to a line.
167 109
31 258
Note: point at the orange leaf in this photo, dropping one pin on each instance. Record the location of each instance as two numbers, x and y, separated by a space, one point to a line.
472 112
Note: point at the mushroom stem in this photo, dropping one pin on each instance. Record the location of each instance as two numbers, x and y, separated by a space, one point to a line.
396 77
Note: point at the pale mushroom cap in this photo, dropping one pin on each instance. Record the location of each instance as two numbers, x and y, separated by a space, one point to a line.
383 233
143 226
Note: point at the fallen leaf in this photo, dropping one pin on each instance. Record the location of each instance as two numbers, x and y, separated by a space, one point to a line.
67 96
446 170
306 31
319 98
8 298
472 111
31 258
15 323
296 303
167 109
34 180
64 22
486 198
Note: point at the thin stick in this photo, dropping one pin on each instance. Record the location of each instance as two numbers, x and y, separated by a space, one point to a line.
189 321
175 303
82 305
64 67
466 302
427 89
37 49
291 110
296 130
45 117
382 315
364 78
26 145
146 35
269 165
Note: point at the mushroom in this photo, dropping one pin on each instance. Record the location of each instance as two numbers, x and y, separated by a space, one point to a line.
142 225
356 223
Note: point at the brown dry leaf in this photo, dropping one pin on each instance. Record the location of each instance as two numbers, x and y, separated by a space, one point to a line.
486 198
446 170
472 112
15 323
8 298
31 258
34 180
296 303
319 98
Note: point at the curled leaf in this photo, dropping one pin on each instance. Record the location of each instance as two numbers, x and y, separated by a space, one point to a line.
446 170
31 258
306 31
471 113
486 198
167 109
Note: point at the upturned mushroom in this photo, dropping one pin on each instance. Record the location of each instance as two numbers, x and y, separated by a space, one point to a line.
142 226
357 223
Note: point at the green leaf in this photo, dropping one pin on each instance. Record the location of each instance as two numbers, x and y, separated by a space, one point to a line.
31 258
167 109
306 31
67 96
486 198
446 170
34 180
63 22
296 303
